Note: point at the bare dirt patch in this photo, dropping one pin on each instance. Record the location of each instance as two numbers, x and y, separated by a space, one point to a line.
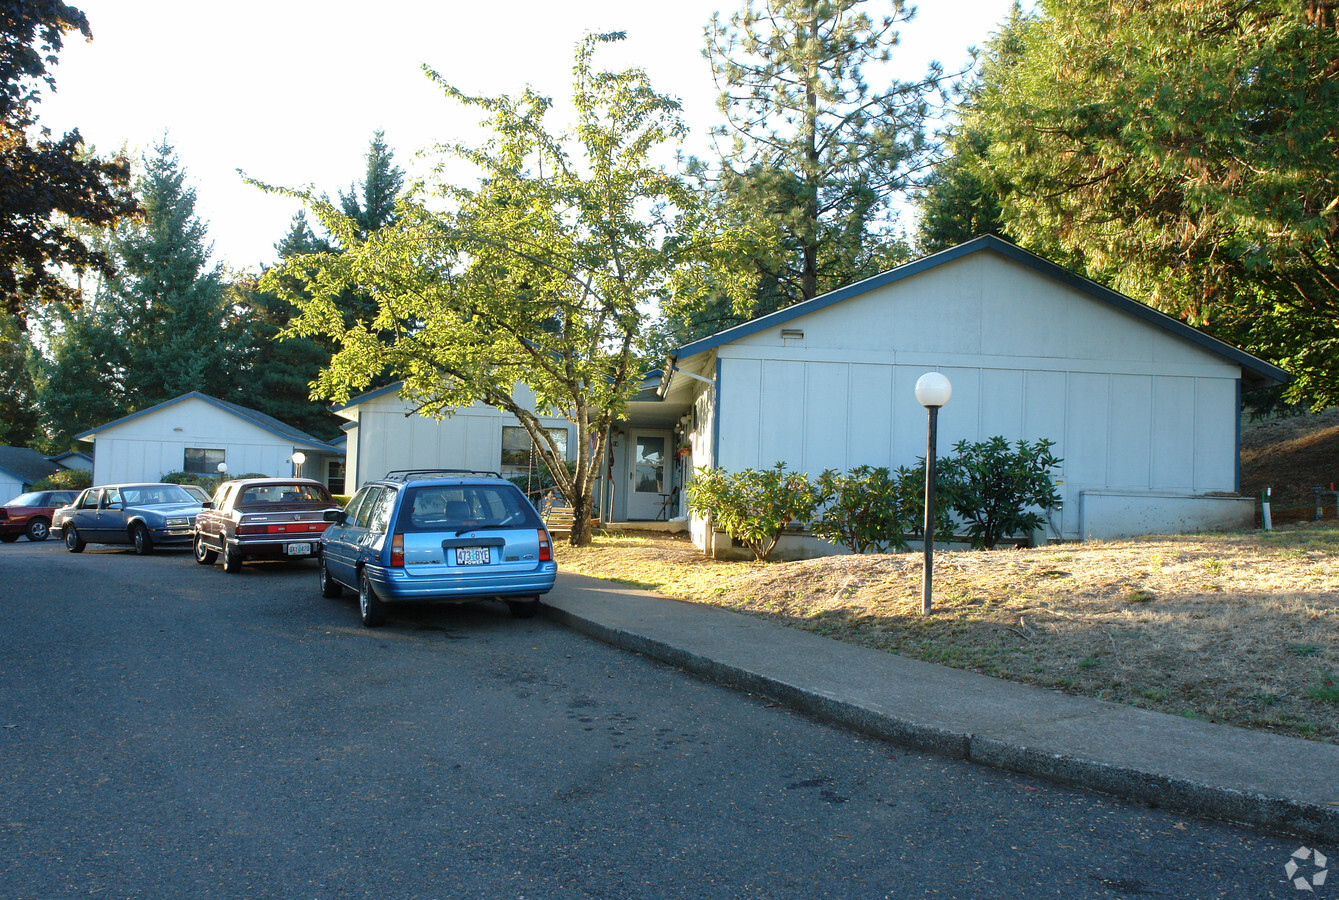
1242 629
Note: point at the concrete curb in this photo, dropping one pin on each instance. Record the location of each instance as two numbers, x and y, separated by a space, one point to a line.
1316 822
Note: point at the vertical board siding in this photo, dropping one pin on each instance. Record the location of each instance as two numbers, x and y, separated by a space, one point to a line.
1173 428
870 416
782 423
1216 422
825 432
1129 449
1086 428
1002 400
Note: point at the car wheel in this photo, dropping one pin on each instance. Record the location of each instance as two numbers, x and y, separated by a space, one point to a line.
203 554
330 588
38 529
524 609
73 542
139 536
370 608
9 538
232 561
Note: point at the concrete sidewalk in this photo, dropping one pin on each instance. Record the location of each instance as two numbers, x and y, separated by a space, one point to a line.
1217 771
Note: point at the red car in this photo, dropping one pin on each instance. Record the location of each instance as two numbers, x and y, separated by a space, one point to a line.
30 514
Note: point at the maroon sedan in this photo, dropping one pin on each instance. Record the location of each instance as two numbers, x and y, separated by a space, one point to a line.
263 518
31 513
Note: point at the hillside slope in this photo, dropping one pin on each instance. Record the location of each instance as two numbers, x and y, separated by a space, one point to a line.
1291 456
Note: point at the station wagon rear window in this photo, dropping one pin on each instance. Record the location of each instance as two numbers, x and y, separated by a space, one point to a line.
452 507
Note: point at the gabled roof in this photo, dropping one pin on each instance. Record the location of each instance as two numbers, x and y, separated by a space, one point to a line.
1264 372
63 458
255 417
26 465
370 395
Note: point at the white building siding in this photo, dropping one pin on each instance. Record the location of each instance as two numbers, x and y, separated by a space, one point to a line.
1127 405
388 439
147 447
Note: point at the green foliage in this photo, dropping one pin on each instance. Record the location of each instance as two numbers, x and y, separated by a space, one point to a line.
913 498
997 490
750 506
65 480
18 402
1184 153
160 327
538 276
957 204
812 157
865 509
51 186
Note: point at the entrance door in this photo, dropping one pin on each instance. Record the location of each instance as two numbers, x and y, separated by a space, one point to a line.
648 475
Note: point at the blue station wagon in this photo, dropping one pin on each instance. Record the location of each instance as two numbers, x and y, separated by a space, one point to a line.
444 535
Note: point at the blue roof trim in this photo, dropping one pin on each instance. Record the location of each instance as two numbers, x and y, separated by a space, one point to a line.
1264 370
255 417
370 395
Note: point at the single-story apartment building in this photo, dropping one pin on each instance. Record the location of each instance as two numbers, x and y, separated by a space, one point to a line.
197 433
1143 409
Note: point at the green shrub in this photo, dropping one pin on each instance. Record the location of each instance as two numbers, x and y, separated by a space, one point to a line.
65 480
864 509
911 499
997 490
753 507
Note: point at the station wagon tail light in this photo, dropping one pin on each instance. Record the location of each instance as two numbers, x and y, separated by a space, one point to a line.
397 550
545 548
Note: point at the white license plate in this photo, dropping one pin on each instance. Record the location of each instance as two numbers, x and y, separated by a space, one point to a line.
473 556
299 549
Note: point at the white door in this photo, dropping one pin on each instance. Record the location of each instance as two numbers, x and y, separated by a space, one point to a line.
648 474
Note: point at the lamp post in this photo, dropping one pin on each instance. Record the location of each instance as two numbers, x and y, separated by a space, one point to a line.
298 459
933 390
223 469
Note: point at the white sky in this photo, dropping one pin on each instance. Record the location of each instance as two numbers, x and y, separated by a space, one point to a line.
290 91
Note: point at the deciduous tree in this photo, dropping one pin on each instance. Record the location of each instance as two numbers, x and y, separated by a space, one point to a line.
540 276
49 186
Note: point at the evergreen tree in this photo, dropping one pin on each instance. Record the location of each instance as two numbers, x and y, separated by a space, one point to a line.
1184 154
815 157
18 407
281 367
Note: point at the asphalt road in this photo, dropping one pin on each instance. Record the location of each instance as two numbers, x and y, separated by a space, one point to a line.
167 730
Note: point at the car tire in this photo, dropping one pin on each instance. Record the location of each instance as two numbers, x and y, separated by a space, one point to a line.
370 608
9 538
204 555
330 588
232 561
139 536
73 542
39 529
524 609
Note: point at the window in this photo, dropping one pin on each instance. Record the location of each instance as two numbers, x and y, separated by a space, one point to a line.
381 512
451 507
364 514
516 449
202 462
335 477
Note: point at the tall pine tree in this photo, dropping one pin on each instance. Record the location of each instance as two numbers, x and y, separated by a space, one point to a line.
813 156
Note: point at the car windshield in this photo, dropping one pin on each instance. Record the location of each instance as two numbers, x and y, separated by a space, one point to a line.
284 493
468 506
154 494
29 499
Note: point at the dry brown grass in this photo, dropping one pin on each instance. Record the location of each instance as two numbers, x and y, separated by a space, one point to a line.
1229 628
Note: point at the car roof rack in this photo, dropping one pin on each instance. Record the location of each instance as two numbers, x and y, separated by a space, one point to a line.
410 474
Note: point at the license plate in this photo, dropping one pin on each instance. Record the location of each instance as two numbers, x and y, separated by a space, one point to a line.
299 549
473 556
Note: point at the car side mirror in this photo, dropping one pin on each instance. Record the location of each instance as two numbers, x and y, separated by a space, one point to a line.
207 504
116 505
335 515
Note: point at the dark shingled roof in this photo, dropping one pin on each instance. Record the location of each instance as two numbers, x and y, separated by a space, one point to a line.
26 465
